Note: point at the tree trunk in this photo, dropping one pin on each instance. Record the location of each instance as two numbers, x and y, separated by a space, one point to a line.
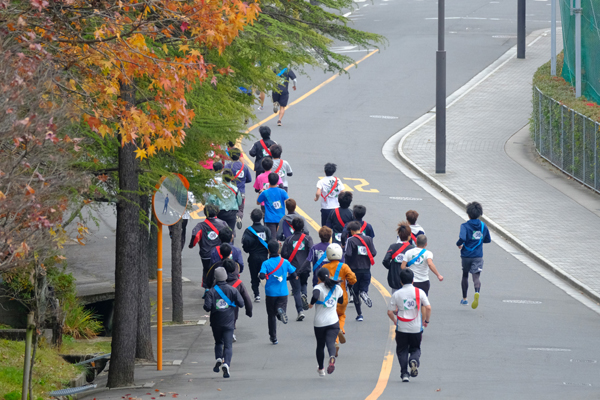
122 363
153 248
176 273
27 366
143 348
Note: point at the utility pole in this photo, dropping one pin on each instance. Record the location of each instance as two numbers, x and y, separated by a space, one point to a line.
440 100
521 29
577 11
553 38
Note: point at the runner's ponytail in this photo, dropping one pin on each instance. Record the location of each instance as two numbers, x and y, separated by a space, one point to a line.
323 275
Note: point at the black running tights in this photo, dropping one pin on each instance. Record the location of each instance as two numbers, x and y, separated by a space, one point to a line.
465 283
326 335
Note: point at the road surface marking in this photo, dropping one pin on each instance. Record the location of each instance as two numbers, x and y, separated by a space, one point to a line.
406 198
583 361
363 183
347 14
546 349
522 301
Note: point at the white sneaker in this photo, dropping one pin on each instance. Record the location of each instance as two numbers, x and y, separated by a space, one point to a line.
218 365
300 316
321 372
225 369
234 339
260 108
257 299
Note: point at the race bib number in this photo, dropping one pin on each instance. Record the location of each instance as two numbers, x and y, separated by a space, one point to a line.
302 246
410 304
212 235
331 302
279 278
399 258
281 173
362 250
221 304
265 186
338 237
265 154
262 235
241 175
318 255
277 205
477 235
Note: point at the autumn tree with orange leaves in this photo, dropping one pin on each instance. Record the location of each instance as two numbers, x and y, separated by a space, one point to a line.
126 66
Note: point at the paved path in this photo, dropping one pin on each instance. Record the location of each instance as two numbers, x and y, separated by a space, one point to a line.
478 168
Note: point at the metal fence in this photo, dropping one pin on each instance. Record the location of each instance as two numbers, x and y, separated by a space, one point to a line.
567 139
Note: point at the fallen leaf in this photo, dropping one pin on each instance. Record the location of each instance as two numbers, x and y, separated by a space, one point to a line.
163 395
437 390
156 390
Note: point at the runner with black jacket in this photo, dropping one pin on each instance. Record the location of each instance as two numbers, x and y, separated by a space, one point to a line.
221 301
206 235
261 148
295 249
360 256
395 256
340 216
254 242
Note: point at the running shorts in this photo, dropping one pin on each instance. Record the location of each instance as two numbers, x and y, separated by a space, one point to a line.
281 98
472 265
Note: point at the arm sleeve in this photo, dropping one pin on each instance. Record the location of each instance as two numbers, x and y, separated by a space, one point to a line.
315 296
286 249
280 230
248 174
487 238
291 74
262 276
462 236
289 169
239 300
373 250
252 151
292 276
261 198
387 259
239 258
208 301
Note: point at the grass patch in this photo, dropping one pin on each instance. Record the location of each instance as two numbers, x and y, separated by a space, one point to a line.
50 373
561 91
2 326
90 346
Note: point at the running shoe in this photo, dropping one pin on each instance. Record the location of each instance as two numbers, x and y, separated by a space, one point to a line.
331 366
234 338
218 365
279 123
365 297
359 318
225 369
304 302
350 296
342 337
260 108
405 378
337 350
464 302
300 316
282 315
238 222
275 107
413 368
274 341
257 299
321 372
475 301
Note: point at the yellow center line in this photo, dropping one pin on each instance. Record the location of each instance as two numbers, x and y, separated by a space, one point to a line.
388 358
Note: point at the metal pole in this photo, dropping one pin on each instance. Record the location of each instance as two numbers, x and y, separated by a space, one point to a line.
521 29
577 11
159 300
553 38
440 100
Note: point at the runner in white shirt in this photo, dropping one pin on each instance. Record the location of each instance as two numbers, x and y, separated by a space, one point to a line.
409 309
326 296
328 190
420 261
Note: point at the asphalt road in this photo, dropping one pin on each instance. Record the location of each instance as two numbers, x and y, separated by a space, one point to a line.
527 339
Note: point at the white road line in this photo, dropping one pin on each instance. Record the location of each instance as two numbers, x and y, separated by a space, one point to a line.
546 349
347 14
522 301
393 145
366 5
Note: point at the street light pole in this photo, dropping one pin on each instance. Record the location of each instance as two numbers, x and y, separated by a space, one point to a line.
440 101
577 11
553 38
521 29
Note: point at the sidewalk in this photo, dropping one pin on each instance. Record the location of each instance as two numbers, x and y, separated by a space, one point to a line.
543 221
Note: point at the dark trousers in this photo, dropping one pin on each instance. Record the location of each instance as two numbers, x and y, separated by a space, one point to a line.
303 277
273 228
205 268
326 336
184 223
240 212
223 343
297 293
424 286
273 303
254 265
325 214
408 347
363 280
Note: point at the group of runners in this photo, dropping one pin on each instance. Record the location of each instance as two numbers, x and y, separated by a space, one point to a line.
282 252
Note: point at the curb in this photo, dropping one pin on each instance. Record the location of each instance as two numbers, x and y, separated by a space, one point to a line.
452 99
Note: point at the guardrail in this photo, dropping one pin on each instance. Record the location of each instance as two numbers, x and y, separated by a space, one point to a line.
567 139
